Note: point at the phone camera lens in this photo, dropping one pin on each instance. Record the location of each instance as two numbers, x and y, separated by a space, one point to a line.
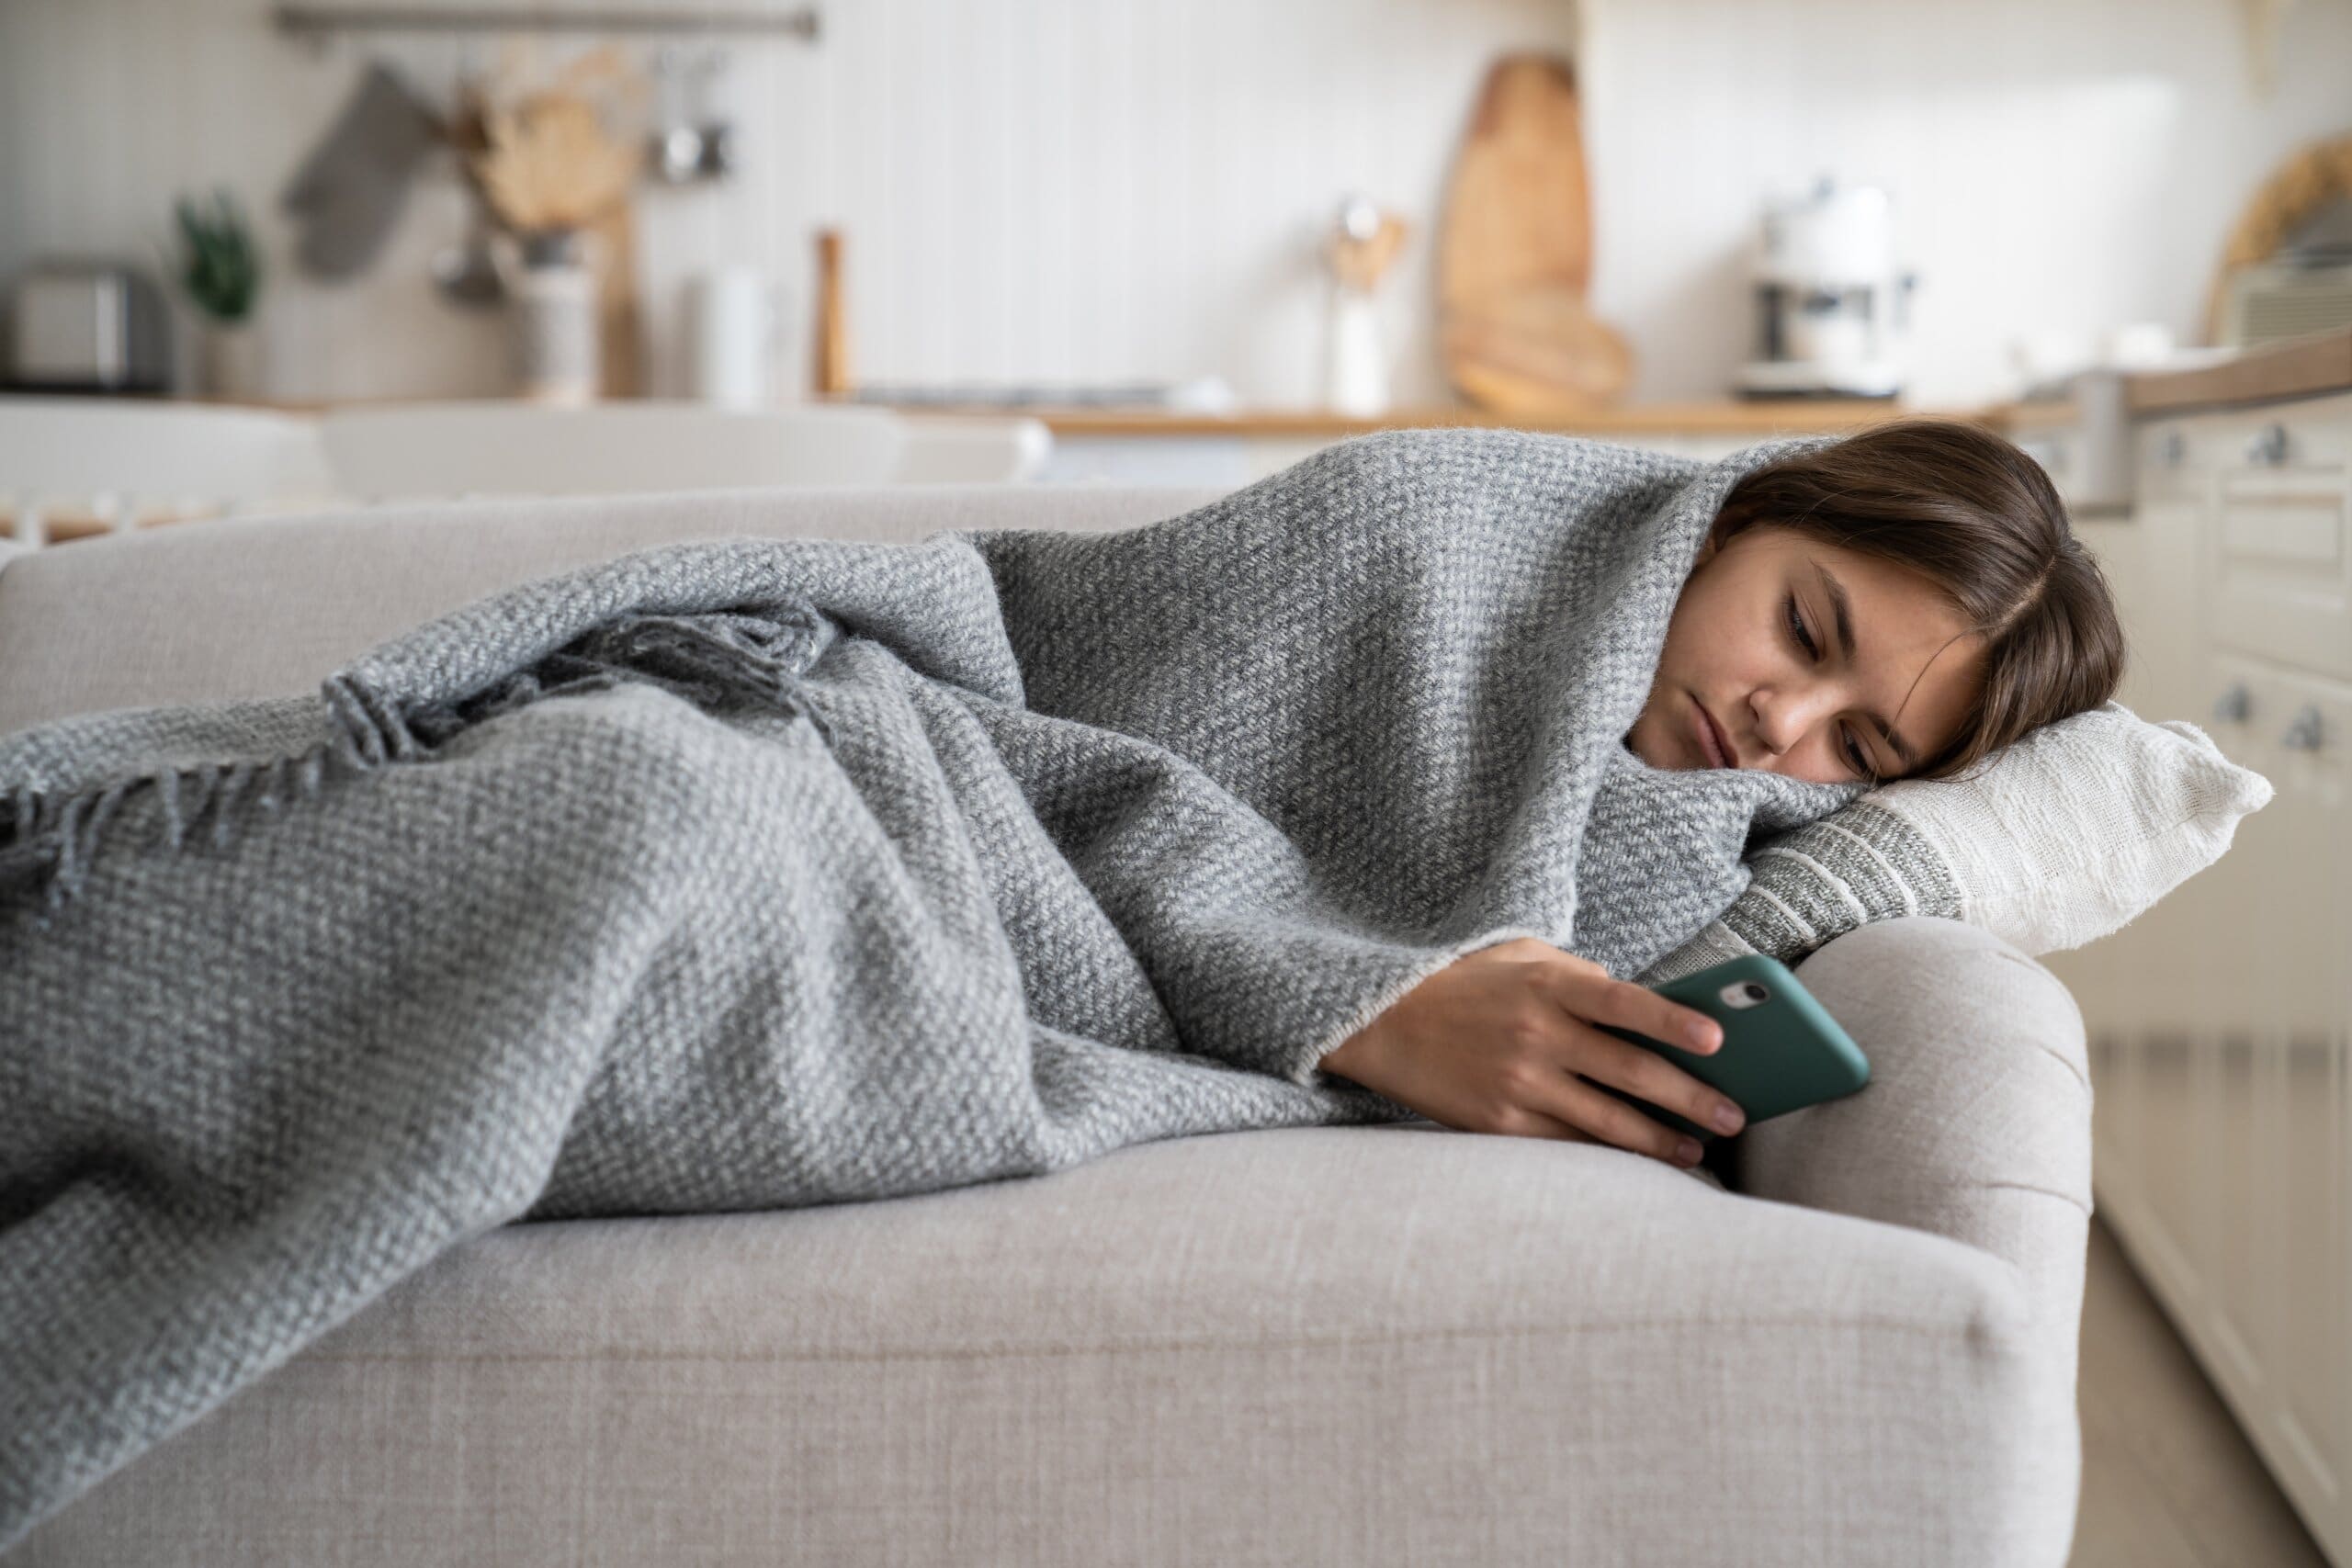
1757 993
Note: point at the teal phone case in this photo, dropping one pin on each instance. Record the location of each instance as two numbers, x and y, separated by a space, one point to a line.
1779 1054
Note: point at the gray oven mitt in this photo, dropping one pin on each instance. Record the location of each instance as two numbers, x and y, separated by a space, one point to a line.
350 190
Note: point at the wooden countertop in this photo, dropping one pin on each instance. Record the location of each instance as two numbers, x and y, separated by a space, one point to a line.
2307 366
2038 414
1727 414
1796 415
2300 367
1761 417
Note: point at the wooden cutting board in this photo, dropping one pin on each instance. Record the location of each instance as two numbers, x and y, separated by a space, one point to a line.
1515 253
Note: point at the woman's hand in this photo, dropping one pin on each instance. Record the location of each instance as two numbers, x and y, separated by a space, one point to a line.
1500 1041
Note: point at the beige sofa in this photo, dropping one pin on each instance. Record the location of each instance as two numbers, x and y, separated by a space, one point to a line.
1351 1345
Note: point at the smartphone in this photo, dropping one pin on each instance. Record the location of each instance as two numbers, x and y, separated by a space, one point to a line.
1781 1050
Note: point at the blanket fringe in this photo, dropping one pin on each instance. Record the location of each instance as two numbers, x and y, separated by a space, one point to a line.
48 840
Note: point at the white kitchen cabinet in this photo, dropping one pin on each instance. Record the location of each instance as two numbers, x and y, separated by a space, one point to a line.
2219 1020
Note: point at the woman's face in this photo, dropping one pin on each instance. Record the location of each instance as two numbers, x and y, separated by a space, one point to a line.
1736 646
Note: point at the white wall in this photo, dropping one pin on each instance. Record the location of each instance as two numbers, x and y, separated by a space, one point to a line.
1099 189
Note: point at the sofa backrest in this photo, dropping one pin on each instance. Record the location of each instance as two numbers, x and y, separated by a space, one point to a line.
267 606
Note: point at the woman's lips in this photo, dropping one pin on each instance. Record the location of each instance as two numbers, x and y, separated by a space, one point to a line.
1711 745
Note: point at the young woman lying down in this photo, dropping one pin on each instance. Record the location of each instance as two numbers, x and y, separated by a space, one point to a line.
761 872
1900 604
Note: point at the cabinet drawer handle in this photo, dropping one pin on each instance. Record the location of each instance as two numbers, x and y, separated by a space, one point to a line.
2303 734
2234 704
2268 449
2173 449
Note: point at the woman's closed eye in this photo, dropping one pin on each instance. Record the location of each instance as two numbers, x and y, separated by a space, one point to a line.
1855 757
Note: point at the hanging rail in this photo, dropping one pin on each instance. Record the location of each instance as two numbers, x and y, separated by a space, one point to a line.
315 22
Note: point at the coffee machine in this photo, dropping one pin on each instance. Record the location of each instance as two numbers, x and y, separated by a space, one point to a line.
1831 313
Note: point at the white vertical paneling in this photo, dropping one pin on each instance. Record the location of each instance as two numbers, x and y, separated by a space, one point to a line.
1058 219
990 189
1097 189
1205 190
1176 233
1092 137
927 117
1114 127
887 236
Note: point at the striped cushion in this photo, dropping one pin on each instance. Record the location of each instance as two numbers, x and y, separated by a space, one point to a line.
2063 836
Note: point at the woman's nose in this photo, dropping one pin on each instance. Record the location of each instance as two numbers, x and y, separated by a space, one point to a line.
1784 718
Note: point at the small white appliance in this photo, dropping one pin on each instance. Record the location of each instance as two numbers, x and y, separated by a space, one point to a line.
1832 315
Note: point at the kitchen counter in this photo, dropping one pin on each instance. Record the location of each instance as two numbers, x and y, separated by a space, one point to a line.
2300 367
2308 367
1761 418
1175 447
1723 416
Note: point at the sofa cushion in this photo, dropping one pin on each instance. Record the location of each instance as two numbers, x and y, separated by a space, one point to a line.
1396 1344
263 606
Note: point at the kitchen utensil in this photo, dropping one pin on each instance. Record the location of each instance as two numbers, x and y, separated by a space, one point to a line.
687 141
466 273
619 335
718 155
831 370
1514 253
673 155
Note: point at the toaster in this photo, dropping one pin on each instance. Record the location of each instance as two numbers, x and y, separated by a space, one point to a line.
87 325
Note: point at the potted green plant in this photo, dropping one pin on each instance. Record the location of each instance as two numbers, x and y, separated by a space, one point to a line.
221 268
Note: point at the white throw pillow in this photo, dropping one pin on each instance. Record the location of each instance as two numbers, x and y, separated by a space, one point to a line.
2066 834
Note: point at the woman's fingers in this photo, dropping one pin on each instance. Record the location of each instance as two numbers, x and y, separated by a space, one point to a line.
1589 995
1583 1111
1645 1074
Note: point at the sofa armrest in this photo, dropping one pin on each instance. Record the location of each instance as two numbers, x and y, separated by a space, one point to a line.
1977 1125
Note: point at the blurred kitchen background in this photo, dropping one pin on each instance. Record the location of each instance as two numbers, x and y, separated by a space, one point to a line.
260 260
1137 205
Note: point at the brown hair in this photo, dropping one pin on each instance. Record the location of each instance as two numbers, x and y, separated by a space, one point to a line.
1979 520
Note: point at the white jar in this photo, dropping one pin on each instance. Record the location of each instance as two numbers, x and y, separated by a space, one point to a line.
735 320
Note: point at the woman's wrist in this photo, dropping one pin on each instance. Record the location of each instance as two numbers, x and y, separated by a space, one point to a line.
1349 1050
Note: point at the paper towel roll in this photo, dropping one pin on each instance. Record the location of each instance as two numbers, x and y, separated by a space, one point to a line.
733 320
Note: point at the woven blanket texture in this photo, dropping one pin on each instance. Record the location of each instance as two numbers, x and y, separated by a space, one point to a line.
756 872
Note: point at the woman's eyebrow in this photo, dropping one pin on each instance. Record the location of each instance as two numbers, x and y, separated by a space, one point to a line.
1839 608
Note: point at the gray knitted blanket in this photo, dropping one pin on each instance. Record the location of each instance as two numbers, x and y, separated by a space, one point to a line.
753 873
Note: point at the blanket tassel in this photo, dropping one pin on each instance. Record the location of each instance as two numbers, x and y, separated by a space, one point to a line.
48 840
